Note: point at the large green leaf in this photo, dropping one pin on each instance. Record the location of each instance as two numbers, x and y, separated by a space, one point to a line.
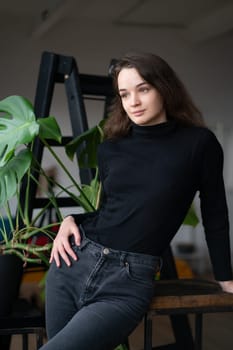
91 192
18 126
49 129
87 144
12 173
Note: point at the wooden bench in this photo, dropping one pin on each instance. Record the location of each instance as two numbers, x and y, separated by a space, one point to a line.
183 297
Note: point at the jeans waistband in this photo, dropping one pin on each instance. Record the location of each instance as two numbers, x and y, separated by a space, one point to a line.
133 257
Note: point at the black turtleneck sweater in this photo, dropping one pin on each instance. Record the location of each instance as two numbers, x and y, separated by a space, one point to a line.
149 181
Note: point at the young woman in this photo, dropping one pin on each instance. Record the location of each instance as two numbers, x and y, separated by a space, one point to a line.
156 156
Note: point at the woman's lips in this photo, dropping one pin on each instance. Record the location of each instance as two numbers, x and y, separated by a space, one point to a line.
138 113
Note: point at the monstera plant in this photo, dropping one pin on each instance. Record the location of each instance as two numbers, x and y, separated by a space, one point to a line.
19 129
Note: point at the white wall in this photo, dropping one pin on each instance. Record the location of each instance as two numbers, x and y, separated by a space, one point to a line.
205 68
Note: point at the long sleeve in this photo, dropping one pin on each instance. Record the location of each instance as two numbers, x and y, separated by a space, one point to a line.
153 174
214 208
80 218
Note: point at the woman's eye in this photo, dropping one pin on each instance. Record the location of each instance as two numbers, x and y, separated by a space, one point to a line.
144 89
124 95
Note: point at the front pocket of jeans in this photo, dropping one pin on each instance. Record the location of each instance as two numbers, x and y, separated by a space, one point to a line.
140 273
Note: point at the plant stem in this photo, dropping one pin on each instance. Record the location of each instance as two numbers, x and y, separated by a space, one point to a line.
9 217
27 192
67 172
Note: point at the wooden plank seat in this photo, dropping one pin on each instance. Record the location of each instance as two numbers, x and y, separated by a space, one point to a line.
186 296
24 319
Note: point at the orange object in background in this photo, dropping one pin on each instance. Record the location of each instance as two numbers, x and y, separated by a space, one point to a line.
183 269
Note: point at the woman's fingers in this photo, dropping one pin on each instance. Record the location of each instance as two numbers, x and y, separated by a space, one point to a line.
227 286
61 252
77 236
61 245
56 258
69 250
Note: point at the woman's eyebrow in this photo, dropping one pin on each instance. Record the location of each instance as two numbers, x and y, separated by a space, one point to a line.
138 85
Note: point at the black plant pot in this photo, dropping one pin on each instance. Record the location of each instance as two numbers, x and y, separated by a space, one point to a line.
11 272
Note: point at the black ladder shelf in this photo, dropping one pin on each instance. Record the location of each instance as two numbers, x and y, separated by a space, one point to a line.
54 69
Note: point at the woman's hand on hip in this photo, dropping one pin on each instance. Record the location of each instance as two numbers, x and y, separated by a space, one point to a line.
61 245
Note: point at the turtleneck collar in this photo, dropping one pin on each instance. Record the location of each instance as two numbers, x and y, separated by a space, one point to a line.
153 130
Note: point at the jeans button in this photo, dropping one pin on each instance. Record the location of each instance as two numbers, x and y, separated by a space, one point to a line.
106 251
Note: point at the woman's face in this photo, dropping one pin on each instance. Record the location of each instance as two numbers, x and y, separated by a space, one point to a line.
140 100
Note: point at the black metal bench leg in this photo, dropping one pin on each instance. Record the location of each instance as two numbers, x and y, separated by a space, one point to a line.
39 338
198 331
147 333
25 341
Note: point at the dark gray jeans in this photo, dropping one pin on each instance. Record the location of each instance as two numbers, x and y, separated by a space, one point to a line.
98 301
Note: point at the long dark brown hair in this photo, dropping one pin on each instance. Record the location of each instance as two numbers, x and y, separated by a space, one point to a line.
155 71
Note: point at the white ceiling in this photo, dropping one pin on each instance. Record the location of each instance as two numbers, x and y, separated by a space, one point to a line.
202 19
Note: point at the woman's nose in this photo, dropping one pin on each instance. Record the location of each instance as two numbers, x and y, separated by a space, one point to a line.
134 101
